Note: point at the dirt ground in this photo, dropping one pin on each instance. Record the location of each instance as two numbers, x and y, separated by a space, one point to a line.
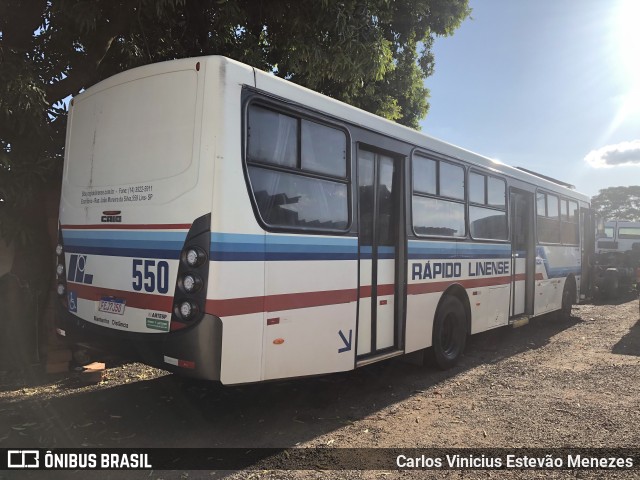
571 382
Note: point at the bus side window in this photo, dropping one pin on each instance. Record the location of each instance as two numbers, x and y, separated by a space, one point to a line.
570 234
548 213
438 198
304 188
271 138
487 207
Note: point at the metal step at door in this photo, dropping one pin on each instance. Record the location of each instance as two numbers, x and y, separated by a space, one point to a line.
519 320
378 358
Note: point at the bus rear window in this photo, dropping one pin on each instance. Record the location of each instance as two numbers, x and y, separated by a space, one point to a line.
138 131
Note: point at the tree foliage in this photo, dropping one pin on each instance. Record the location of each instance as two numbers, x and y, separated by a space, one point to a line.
373 54
621 203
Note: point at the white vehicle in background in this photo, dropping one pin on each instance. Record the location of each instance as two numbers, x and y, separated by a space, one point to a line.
229 225
617 257
618 236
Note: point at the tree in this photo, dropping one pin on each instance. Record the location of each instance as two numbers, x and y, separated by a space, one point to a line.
618 203
373 54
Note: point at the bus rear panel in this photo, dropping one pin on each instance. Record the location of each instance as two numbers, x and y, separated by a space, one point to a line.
135 207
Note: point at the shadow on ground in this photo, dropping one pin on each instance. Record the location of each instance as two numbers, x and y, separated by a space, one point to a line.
622 297
630 343
173 412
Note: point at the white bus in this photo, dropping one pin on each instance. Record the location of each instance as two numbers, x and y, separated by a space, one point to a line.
618 236
229 225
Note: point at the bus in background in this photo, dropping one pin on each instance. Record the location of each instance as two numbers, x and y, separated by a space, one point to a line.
229 225
617 257
618 236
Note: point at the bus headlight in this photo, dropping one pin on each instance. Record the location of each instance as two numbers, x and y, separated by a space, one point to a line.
58 249
60 289
60 269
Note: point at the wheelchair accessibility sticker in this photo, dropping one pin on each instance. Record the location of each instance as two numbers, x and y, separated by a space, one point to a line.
73 301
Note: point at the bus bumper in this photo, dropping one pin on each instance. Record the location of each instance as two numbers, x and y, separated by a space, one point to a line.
194 351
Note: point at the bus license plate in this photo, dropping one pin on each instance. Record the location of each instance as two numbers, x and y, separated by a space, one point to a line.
112 305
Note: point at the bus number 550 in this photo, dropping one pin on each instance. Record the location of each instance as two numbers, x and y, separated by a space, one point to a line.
150 275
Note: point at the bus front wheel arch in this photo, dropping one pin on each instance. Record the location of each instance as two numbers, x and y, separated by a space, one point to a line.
449 332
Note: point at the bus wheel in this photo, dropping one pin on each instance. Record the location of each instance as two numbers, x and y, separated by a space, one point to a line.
449 333
568 297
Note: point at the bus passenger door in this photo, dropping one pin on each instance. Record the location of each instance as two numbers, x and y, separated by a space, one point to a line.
379 231
523 252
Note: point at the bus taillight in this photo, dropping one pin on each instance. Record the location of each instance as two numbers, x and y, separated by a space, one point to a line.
191 274
187 310
61 281
193 271
195 257
191 282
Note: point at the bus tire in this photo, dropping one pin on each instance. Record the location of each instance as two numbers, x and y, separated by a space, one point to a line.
568 297
449 333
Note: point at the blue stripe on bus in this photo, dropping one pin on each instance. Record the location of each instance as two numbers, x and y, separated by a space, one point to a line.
126 244
123 235
153 244
125 252
429 249
259 247
224 246
245 247
384 252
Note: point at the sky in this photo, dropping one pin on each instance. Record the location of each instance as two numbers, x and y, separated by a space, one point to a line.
548 85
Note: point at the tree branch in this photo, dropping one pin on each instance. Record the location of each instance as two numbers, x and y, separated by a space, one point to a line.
83 70
18 21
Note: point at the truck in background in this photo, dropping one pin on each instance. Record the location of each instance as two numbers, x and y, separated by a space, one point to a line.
617 257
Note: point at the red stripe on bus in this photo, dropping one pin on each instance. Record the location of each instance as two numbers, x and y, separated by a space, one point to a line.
111 226
365 291
432 287
235 306
225 307
134 300
386 289
291 301
276 303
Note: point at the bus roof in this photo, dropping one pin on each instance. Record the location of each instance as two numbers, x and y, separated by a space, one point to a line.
327 105
310 99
